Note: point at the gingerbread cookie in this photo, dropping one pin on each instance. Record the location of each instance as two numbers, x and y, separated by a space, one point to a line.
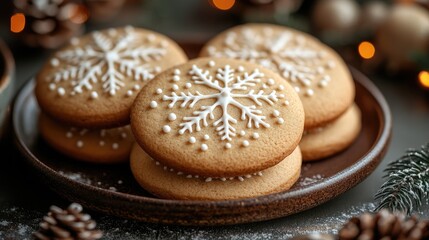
93 81
330 139
96 146
317 73
169 183
218 118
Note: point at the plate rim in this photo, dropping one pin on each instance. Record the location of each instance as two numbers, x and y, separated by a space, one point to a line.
375 153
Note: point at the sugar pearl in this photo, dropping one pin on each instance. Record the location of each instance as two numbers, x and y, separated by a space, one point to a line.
79 144
176 78
94 95
61 91
153 104
206 137
172 117
175 87
129 93
69 134
240 68
166 128
211 63
188 85
309 92
136 87
280 121
245 143
204 147
124 135
286 103
52 86
276 113
271 82
177 71
228 145
242 133
158 91
55 62
192 140
115 146
101 143
255 135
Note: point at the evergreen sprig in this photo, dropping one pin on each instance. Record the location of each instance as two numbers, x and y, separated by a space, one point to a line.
407 184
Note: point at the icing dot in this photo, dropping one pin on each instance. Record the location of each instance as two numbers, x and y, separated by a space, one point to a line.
280 121
286 103
177 71
151 37
129 28
94 95
271 82
228 145
124 135
240 178
297 89
276 113
153 104
206 137
159 91
188 85
136 87
55 62
255 135
240 68
223 179
326 78
204 147
115 146
209 179
323 83
74 41
52 86
103 133
112 32
281 87
163 43
306 82
61 91
192 140
331 64
157 69
69 134
129 93
157 163
101 143
245 143
211 63
281 95
264 85
242 133
248 176
260 174
320 70
79 144
309 92
166 128
176 78
175 87
172 117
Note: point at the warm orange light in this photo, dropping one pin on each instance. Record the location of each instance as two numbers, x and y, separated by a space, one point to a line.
223 4
17 22
424 79
366 50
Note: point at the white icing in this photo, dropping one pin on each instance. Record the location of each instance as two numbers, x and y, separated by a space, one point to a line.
323 83
228 145
224 86
176 78
124 135
309 92
172 117
153 104
204 147
163 43
286 103
242 133
102 143
240 69
297 89
175 87
293 56
188 85
281 87
245 143
55 62
115 146
271 82
206 137
276 113
61 91
79 144
136 87
74 41
107 60
52 86
157 69
69 134
166 129
255 135
129 93
159 91
94 95
151 37
103 132
211 63
280 120
177 71
192 140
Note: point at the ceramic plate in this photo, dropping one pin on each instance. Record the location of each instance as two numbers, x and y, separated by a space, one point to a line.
112 189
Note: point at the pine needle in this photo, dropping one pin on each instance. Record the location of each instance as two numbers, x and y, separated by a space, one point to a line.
407 184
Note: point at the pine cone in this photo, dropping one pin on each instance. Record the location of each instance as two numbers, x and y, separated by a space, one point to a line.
69 224
386 226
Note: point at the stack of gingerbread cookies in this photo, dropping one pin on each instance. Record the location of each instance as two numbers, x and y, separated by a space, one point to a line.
235 123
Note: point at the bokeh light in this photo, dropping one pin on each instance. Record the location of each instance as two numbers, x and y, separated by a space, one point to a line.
424 79
366 50
17 22
223 4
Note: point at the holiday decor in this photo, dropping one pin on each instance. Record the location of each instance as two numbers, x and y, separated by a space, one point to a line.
407 183
384 225
48 23
67 224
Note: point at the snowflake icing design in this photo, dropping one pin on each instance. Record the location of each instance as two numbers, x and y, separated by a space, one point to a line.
227 88
284 52
106 60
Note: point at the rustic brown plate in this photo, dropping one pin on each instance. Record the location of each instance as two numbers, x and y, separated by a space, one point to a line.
112 189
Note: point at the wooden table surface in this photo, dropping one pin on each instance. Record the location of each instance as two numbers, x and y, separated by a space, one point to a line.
24 199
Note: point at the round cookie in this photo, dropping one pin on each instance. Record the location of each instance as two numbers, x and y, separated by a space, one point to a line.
317 72
332 138
218 117
95 146
93 81
168 183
